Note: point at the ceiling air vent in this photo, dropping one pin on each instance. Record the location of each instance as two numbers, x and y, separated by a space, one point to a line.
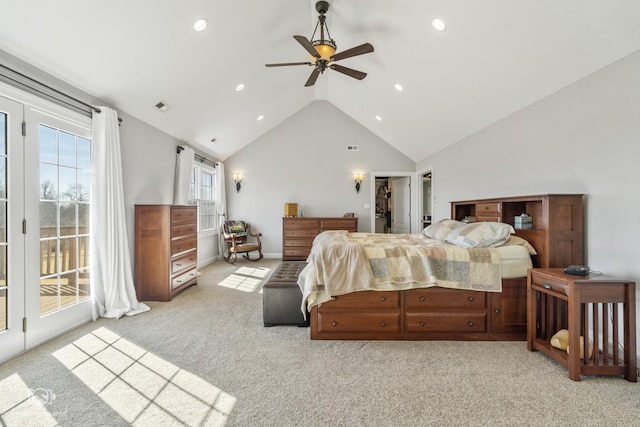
162 106
353 148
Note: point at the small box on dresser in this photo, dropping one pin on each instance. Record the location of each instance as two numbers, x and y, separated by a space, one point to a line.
166 250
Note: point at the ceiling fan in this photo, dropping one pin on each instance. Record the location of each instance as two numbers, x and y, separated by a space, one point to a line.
322 52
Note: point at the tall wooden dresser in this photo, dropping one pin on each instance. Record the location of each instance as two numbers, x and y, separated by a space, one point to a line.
166 250
298 233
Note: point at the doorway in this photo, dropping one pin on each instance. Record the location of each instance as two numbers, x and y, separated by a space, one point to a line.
392 207
425 198
45 182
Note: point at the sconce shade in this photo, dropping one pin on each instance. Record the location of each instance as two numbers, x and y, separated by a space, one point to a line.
358 178
237 178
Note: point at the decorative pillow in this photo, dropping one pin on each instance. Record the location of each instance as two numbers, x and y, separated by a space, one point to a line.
441 229
237 228
515 240
480 234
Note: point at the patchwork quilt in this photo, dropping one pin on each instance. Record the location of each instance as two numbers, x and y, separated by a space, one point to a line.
342 262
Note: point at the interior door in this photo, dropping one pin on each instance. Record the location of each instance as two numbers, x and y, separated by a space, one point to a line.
12 336
401 205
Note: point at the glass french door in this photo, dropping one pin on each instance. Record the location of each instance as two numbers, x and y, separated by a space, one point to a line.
12 293
57 205
45 183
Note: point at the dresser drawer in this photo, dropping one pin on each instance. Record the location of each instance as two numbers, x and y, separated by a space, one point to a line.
370 321
296 253
301 232
183 230
445 322
184 262
183 214
339 224
184 278
365 299
183 245
303 243
300 223
434 298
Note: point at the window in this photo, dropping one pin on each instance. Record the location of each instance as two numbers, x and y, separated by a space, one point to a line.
202 193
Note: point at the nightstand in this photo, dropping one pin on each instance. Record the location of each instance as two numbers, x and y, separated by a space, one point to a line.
600 307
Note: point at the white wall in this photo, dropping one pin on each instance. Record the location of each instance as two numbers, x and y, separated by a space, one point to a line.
583 139
304 160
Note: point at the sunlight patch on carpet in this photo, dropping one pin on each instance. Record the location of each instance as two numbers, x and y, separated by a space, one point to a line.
142 388
246 279
21 406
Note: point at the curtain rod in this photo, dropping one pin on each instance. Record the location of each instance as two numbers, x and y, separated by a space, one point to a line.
198 157
89 107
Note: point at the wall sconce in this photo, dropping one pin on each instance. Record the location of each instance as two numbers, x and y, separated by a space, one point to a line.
237 178
358 178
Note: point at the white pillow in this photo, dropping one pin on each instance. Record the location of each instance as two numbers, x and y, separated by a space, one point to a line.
480 234
441 229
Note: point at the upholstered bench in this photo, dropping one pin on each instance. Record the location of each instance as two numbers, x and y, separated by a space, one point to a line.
281 296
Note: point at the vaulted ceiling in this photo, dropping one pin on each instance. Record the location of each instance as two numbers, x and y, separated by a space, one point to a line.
494 58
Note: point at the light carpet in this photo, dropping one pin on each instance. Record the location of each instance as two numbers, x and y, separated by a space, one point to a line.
205 359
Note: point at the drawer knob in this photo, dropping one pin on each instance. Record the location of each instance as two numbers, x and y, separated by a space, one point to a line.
547 286
178 281
178 265
383 324
470 323
422 324
422 298
383 298
334 324
470 298
497 311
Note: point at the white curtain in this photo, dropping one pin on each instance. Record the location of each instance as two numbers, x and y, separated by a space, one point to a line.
111 279
221 197
182 181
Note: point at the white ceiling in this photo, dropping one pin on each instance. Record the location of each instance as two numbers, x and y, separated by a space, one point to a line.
495 58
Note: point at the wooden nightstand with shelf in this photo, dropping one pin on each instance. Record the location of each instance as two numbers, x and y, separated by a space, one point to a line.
597 307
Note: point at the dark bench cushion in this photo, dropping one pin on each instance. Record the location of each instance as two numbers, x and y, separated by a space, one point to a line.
281 296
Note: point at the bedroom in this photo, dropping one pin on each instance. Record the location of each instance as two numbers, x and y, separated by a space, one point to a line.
580 138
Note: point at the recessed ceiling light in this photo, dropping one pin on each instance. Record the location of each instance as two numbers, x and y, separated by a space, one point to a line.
260 117
438 24
378 118
200 24
398 87
240 87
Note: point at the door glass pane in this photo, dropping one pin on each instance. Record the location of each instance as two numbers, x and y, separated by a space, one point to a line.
65 186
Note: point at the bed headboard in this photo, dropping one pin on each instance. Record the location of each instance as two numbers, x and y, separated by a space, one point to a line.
557 226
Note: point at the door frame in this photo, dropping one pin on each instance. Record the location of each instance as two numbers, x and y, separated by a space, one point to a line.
71 317
419 196
412 205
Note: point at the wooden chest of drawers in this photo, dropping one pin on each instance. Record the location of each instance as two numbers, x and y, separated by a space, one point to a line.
166 248
298 234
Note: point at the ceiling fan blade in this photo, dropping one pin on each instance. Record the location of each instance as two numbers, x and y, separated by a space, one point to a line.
312 78
307 45
348 71
354 51
286 64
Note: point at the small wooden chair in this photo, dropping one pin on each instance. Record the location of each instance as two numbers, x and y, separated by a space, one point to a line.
236 235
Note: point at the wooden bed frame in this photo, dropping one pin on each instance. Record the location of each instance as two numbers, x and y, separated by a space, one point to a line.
451 314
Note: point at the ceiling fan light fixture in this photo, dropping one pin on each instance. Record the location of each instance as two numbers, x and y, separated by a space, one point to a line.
325 48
